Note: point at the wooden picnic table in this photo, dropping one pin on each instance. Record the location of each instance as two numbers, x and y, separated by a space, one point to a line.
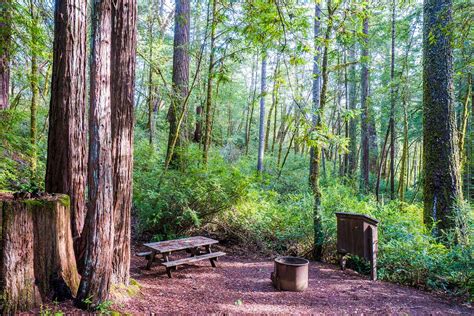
192 245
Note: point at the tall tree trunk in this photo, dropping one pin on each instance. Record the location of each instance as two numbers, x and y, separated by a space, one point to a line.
150 97
275 116
210 74
373 141
315 151
261 126
180 82
249 126
197 138
402 183
352 158
66 165
442 183
464 121
338 124
381 165
297 127
345 171
124 35
33 113
99 224
34 84
5 38
282 133
274 101
365 119
392 108
251 106
319 102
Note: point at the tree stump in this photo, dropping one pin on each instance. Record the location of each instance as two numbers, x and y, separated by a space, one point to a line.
36 251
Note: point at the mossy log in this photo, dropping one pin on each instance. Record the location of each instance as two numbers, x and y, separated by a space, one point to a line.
37 260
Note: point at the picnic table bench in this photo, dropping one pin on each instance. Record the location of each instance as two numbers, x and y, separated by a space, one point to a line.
192 245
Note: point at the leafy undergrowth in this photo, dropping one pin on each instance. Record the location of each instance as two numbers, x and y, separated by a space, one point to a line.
274 213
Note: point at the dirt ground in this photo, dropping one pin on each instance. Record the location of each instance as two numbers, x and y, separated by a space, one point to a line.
242 285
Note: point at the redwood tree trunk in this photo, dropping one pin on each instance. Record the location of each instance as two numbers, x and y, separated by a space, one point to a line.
4 53
442 184
180 81
99 226
124 14
67 138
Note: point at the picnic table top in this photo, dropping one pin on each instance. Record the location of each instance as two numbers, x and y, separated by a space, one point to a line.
180 244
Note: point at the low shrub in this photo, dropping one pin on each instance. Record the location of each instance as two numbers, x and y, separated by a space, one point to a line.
171 202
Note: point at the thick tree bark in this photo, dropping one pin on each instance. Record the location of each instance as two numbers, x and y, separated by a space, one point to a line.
55 263
180 81
442 183
36 249
66 165
392 108
261 125
17 274
365 119
210 75
99 225
124 35
5 38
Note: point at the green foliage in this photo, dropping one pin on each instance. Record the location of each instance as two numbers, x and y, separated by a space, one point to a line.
275 214
15 151
171 202
51 311
104 307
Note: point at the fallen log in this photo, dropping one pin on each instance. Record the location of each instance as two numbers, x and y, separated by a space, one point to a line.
36 251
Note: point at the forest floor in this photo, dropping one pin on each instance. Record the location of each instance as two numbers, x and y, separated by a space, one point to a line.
241 284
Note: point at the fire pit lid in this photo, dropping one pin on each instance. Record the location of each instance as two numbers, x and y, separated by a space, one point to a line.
292 261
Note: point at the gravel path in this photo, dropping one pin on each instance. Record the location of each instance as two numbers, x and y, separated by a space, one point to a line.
242 285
